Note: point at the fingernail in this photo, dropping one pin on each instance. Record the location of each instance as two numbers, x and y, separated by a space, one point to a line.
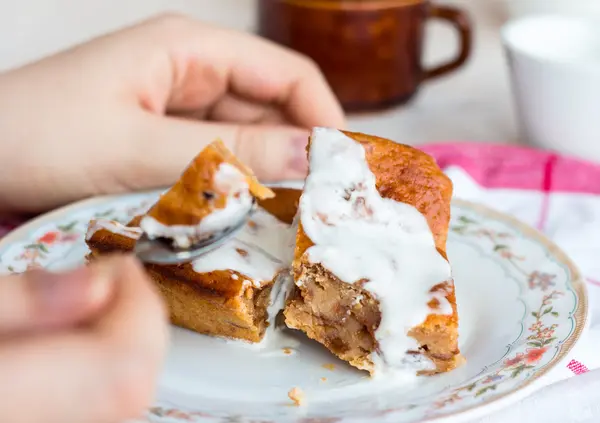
69 291
298 161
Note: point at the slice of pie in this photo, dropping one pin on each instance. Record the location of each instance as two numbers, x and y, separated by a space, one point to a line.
372 281
214 192
235 291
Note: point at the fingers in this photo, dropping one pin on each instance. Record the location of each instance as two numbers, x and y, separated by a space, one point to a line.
136 308
133 333
103 372
206 62
264 72
273 152
39 299
231 108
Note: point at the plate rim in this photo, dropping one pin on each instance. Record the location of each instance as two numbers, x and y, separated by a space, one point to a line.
580 315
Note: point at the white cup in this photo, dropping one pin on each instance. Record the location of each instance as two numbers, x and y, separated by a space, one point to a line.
519 8
554 64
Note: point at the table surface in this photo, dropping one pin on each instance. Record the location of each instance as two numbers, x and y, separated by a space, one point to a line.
472 104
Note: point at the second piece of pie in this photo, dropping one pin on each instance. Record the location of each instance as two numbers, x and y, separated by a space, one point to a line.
373 283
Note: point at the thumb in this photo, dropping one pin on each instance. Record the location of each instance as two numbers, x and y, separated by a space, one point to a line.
39 299
274 152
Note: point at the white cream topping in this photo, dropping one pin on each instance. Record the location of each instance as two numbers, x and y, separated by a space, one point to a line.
259 251
359 235
111 226
228 180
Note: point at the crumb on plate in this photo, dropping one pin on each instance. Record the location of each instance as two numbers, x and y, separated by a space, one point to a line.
297 396
329 366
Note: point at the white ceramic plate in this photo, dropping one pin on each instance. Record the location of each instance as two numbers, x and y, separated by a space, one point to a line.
521 302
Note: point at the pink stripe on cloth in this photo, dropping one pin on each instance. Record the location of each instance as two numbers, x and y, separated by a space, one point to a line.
593 281
546 188
507 166
577 368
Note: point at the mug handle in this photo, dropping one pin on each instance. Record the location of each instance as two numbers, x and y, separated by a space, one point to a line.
460 20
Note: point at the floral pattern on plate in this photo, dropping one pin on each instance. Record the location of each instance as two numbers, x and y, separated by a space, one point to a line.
550 294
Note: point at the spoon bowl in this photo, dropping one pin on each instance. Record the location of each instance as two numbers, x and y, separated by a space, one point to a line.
161 251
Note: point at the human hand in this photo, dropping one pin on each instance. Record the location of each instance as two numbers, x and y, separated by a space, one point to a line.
92 120
84 346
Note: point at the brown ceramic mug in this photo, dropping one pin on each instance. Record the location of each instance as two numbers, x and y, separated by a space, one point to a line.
369 50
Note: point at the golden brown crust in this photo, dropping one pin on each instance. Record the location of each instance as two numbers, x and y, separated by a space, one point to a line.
203 311
135 222
284 205
235 314
215 303
194 196
407 175
217 283
410 176
403 174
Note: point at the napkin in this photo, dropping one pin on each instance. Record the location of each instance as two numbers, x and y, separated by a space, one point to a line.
560 196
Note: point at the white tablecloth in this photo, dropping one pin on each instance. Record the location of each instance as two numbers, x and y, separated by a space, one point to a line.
561 197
